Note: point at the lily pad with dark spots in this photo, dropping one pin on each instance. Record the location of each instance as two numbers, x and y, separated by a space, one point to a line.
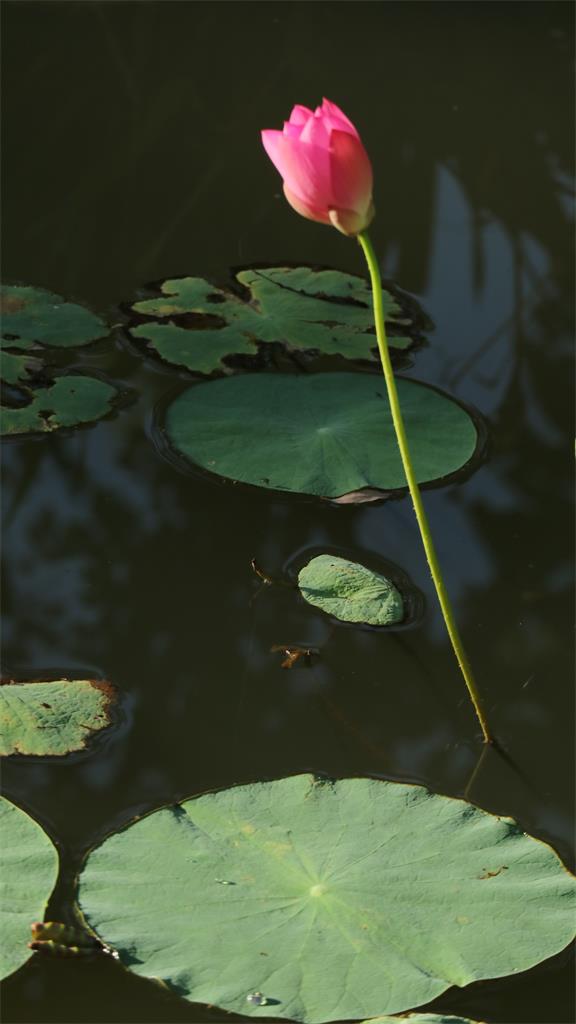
70 401
34 319
195 325
52 717
34 316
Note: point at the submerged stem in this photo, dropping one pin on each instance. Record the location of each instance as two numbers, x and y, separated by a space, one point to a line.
414 489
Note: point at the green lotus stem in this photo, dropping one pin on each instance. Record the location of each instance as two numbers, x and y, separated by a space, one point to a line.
421 516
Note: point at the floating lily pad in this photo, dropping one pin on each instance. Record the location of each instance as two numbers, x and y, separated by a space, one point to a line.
319 901
326 434
52 717
34 316
18 369
68 402
350 592
304 309
28 870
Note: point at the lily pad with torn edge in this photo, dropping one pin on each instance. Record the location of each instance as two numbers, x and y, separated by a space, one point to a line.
28 871
71 400
322 900
197 326
34 319
350 591
52 717
324 434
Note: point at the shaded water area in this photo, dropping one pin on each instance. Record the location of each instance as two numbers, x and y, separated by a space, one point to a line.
132 153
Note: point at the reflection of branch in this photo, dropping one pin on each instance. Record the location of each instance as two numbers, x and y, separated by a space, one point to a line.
424 671
477 767
481 350
503 754
337 713
522 267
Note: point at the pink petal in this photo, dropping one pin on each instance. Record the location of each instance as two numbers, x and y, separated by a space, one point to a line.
351 173
338 119
300 114
316 132
293 131
270 140
305 210
304 167
349 222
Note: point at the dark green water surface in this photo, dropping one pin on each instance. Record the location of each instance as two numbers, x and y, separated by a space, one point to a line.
132 153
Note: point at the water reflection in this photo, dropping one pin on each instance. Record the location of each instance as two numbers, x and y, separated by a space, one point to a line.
117 564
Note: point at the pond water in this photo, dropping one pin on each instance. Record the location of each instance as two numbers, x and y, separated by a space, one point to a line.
132 154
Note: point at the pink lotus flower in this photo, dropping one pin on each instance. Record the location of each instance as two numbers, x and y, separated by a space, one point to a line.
326 171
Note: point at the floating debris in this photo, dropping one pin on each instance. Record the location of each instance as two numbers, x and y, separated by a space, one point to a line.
257 999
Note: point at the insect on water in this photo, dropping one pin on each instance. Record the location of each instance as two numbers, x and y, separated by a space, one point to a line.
293 653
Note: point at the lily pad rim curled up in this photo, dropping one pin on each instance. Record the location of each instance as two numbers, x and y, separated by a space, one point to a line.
413 598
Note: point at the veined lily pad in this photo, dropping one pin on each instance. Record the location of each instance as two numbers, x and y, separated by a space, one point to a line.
350 591
28 870
68 402
326 434
319 901
52 717
304 309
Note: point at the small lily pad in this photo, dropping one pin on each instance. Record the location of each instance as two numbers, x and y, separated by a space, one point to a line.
317 900
350 592
28 871
327 434
69 401
196 325
52 717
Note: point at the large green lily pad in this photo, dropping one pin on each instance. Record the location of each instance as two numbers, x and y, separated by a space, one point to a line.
52 717
68 402
327 434
350 592
28 870
318 901
302 308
